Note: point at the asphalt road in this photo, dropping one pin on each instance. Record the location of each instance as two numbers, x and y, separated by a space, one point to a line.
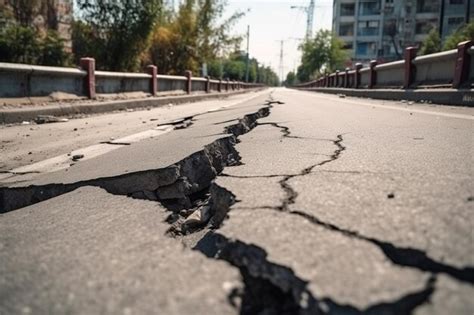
282 202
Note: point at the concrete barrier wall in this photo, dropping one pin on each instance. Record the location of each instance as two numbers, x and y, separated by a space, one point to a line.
198 84
364 77
121 82
390 74
171 83
436 68
453 68
21 80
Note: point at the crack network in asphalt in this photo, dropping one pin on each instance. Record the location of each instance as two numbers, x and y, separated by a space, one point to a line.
188 187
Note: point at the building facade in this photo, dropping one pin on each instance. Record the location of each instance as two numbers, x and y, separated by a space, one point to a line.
43 15
381 29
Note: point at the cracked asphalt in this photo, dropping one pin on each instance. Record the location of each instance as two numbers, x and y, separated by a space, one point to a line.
287 203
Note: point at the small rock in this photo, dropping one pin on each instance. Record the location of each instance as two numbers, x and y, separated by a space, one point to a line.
29 153
75 129
25 122
342 96
391 196
410 103
471 198
198 217
77 157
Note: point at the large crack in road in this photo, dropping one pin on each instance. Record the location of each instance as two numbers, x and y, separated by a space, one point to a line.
187 188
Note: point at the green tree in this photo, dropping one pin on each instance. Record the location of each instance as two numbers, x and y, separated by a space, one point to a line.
432 43
195 35
322 53
115 32
290 79
464 33
25 44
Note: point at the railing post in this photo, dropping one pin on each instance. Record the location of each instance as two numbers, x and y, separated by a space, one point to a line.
337 78
227 85
463 64
346 78
88 65
189 75
410 69
326 80
153 71
373 74
357 75
208 84
219 87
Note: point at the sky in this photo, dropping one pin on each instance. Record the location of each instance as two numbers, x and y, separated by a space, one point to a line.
272 21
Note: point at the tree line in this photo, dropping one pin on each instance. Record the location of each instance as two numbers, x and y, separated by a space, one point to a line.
127 35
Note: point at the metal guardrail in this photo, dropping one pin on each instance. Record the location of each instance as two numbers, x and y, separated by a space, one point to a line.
453 68
23 80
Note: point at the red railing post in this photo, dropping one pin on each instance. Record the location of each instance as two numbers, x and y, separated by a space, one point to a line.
346 78
373 74
463 64
153 71
208 84
88 65
357 75
189 75
410 69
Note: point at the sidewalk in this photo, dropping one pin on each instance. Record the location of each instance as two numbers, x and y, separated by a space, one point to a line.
19 112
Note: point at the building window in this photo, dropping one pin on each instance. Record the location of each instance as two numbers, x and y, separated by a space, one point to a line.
368 28
366 48
427 6
348 45
369 8
346 29
424 27
455 21
347 9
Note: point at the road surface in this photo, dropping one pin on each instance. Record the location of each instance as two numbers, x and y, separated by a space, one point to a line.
279 202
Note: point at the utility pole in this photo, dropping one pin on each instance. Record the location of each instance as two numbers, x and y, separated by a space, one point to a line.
281 67
309 10
441 19
247 64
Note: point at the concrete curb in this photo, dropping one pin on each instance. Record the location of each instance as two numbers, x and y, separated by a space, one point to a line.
29 113
435 96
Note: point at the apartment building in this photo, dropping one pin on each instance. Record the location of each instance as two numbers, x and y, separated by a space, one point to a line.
44 15
381 29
